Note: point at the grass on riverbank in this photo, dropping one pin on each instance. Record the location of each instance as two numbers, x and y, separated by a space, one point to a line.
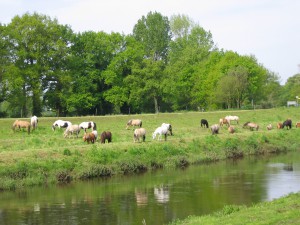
285 210
45 157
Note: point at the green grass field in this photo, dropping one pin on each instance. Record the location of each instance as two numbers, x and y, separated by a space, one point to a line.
285 210
45 156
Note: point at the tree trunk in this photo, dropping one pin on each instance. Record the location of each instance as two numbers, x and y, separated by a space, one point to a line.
156 105
36 103
24 103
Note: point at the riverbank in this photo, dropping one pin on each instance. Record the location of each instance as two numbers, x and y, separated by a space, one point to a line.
46 157
285 210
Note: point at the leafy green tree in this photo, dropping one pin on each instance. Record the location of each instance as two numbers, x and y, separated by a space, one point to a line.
233 86
273 92
154 35
92 53
220 65
38 48
4 62
191 45
146 84
119 68
291 89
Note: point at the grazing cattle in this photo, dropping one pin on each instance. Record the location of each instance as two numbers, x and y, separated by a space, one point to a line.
269 127
215 129
251 126
169 127
223 121
139 133
88 125
106 135
297 124
163 130
279 125
287 124
204 123
231 129
133 123
21 124
61 124
73 129
34 122
89 137
232 118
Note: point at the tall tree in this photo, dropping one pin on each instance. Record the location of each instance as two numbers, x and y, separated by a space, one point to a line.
232 87
4 63
92 53
119 68
273 91
291 89
191 45
36 43
153 32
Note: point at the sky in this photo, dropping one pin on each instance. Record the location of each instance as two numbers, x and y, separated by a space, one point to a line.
267 29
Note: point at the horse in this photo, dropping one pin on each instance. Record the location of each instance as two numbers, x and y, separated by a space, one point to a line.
61 124
139 133
215 129
72 129
34 121
169 127
223 121
89 137
297 124
231 129
163 130
88 125
232 118
21 124
95 132
279 125
269 127
204 123
134 122
287 123
105 135
251 125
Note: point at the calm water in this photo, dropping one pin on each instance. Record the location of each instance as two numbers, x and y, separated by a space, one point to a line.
155 198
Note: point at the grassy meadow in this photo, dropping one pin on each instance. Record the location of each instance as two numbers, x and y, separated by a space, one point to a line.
285 210
46 157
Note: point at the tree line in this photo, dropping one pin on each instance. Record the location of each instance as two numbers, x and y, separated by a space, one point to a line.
164 65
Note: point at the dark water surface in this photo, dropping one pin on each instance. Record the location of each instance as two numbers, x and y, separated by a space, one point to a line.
157 197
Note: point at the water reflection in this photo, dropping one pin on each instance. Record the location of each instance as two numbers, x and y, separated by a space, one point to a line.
141 197
155 198
161 194
282 180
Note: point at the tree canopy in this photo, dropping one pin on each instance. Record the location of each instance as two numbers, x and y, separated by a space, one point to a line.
166 64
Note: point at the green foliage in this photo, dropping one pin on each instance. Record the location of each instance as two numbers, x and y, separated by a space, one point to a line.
164 65
278 211
67 152
95 170
233 148
229 209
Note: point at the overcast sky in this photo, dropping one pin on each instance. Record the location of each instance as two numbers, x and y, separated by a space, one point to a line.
267 29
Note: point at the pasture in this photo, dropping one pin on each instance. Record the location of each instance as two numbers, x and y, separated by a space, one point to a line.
44 156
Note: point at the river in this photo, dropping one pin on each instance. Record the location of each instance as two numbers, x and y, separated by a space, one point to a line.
155 197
